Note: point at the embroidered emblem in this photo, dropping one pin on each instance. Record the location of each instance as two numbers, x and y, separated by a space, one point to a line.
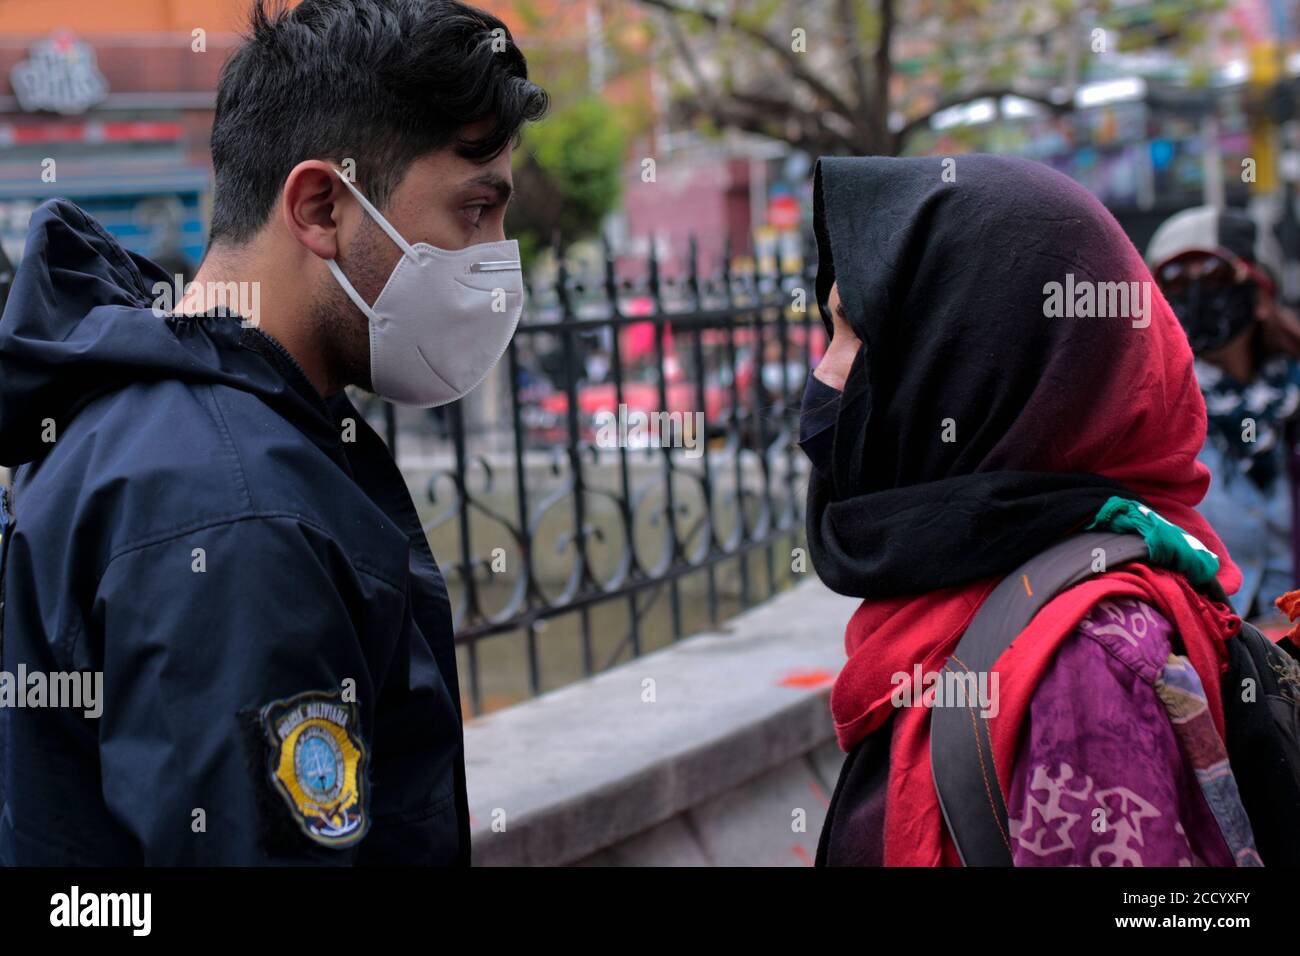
318 764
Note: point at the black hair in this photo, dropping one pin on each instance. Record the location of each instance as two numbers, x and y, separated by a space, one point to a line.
382 82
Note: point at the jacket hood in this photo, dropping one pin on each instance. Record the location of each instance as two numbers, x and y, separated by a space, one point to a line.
80 322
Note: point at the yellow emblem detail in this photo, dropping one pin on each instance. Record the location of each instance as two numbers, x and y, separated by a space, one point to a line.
318 765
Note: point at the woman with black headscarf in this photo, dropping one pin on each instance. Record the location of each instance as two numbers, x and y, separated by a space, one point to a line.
1002 375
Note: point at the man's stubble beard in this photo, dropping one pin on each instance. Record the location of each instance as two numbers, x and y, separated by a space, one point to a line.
344 329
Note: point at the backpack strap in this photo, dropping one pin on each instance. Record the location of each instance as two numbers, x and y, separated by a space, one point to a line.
961 749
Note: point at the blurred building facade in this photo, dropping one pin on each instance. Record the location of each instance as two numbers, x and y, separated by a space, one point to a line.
110 105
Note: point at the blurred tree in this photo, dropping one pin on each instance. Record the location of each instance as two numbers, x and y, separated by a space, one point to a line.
567 175
862 76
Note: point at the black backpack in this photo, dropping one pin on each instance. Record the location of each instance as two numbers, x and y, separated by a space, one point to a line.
1262 733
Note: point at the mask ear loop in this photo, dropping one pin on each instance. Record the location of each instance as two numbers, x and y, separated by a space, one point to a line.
383 224
355 296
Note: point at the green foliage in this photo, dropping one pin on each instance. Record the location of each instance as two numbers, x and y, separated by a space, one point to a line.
567 174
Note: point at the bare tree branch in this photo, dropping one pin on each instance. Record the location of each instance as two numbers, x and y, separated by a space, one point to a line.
832 123
819 125
702 87
884 64
994 92
850 31
804 130
781 48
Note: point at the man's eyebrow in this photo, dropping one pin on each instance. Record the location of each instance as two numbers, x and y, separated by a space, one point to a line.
494 181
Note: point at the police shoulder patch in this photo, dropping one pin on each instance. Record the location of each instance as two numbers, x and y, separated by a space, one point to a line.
317 762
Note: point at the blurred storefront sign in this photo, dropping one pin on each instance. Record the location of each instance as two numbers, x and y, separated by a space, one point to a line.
118 123
60 75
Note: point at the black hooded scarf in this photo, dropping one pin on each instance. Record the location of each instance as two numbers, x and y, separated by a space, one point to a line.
974 428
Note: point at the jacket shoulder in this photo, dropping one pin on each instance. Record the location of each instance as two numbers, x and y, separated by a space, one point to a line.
154 458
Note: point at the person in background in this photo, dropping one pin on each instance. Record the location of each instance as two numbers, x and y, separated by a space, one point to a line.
1216 269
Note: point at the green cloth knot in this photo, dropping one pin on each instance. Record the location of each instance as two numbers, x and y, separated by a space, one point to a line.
1168 545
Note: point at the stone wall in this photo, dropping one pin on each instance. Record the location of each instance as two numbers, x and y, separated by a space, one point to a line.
716 751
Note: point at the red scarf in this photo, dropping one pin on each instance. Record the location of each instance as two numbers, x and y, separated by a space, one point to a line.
1126 437
883 639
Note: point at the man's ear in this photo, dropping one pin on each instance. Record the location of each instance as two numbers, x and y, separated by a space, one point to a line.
313 206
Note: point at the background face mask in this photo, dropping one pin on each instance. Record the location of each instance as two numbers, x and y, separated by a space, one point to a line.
444 318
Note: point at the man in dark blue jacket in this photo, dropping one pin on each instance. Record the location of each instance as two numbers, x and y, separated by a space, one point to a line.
202 521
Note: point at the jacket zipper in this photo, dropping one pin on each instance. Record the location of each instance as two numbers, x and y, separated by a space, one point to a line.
306 389
292 363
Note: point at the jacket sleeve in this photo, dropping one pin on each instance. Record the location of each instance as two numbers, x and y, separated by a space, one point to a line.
203 633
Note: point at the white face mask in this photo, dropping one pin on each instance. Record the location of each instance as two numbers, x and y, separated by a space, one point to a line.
443 320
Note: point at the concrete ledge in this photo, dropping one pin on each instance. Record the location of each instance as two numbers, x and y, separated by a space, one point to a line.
599 765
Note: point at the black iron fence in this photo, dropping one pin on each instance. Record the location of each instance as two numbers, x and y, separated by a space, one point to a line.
574 534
